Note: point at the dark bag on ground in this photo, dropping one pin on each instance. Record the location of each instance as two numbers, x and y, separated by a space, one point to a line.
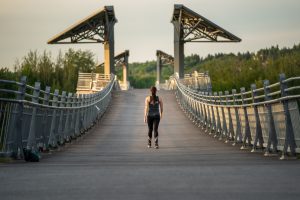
31 156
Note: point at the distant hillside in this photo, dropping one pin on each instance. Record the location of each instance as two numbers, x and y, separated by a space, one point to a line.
228 71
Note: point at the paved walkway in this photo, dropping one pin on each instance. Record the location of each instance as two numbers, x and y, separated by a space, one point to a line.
113 162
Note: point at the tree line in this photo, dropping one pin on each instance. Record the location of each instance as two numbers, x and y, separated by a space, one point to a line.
227 71
60 73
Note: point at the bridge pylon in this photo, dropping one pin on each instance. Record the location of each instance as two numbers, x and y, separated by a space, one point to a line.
96 28
189 26
121 60
162 59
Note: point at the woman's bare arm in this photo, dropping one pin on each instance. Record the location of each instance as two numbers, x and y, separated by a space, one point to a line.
161 107
146 109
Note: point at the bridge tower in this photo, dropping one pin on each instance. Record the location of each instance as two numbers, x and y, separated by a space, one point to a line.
192 27
162 59
96 28
121 60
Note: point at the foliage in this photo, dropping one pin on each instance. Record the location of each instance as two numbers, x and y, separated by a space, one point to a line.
230 71
143 75
60 74
227 71
5 74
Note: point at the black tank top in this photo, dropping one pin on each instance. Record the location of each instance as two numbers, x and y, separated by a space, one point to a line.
154 108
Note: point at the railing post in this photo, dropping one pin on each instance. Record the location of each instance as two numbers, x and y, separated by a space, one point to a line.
90 111
31 152
74 116
247 133
96 113
45 118
193 110
213 127
61 118
17 150
52 143
258 132
208 120
99 109
84 113
183 102
224 132
272 140
87 112
200 110
289 131
81 123
230 131
218 129
237 131
95 108
67 122
208 82
31 141
92 108
78 116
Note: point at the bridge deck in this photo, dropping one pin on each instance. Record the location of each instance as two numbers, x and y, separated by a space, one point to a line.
112 162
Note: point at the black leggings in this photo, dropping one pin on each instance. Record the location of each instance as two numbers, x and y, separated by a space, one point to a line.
153 121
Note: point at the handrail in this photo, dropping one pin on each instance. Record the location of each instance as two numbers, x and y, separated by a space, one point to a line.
259 97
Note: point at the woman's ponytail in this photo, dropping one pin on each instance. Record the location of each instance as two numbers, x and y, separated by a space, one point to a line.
153 92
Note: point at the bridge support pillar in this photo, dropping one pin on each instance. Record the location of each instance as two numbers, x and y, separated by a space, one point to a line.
158 69
125 70
109 41
178 48
109 50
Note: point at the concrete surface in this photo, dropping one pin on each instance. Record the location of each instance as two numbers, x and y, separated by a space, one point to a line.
113 162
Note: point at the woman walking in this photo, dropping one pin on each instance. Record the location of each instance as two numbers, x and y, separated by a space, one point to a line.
153 114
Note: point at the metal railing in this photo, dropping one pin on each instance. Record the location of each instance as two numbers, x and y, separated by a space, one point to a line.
263 118
91 82
35 120
196 81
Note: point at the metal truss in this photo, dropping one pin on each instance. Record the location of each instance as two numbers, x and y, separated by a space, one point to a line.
165 58
196 28
93 35
93 29
120 59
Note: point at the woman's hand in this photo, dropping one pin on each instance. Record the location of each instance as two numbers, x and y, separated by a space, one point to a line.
145 119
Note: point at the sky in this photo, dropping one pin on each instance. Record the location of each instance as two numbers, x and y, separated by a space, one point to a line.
144 26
